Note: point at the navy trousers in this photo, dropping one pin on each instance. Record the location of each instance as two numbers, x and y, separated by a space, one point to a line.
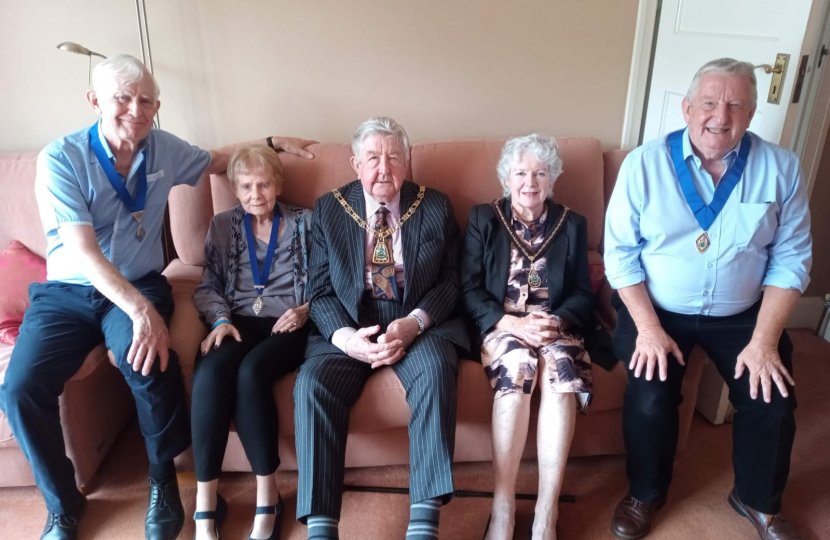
763 433
62 325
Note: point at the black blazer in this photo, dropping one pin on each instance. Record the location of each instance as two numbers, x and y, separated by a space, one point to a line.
485 265
336 270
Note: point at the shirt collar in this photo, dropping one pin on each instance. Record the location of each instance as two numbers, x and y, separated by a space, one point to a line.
94 159
689 152
394 206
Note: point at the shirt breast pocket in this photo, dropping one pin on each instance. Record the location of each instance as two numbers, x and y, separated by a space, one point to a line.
755 226
157 188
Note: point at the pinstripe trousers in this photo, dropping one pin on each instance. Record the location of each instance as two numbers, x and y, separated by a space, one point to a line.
327 386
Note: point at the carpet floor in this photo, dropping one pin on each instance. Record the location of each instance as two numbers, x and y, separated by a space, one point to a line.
697 507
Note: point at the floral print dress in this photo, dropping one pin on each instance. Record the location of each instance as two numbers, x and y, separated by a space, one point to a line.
509 362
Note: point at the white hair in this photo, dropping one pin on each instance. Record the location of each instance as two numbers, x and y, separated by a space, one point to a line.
542 148
124 69
381 126
730 66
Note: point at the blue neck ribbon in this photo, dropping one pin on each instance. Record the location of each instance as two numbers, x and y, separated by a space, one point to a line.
116 180
706 215
261 274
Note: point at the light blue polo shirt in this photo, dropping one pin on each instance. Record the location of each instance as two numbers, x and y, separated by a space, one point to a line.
72 189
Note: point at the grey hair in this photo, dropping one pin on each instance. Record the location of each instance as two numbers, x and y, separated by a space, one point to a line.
255 159
730 66
541 147
382 126
123 68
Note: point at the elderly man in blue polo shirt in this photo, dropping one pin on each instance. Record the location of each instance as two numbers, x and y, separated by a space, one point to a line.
707 241
101 193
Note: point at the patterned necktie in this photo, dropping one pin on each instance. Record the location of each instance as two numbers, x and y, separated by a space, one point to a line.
384 285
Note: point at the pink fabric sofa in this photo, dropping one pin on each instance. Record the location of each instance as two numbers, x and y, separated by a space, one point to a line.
96 403
464 170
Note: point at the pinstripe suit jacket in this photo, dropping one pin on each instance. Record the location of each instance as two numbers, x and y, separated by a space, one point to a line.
430 241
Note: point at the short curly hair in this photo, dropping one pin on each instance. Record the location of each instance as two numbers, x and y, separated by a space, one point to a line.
541 147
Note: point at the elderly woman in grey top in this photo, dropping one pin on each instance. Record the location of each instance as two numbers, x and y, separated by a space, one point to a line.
252 296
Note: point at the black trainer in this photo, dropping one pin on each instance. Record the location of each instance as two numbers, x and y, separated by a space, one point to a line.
165 515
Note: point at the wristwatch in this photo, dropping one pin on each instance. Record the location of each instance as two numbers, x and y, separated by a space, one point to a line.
420 322
270 142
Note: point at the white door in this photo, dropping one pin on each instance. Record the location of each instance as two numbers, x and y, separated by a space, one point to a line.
692 32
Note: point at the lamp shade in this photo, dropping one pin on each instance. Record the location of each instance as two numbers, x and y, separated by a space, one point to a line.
71 46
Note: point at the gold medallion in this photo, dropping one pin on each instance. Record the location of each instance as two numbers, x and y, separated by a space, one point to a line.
702 243
258 305
140 233
534 279
381 254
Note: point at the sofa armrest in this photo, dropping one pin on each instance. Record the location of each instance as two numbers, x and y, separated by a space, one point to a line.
186 328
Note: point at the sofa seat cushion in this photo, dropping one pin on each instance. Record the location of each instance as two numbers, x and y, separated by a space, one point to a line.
382 405
91 363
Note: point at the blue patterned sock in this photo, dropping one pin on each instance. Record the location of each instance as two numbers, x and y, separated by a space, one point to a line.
322 528
423 520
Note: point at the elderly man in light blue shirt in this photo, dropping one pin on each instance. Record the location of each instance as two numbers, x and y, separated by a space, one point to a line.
707 242
101 193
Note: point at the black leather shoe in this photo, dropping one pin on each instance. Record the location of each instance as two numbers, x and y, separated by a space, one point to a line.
165 515
62 526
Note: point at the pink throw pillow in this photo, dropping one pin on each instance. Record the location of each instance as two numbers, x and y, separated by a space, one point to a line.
19 268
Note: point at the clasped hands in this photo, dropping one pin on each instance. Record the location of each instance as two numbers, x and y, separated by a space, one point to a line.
390 347
537 329
760 358
293 319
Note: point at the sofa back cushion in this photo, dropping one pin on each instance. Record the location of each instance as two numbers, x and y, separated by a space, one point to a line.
464 170
19 216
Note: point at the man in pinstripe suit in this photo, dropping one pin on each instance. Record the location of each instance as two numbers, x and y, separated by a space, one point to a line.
383 286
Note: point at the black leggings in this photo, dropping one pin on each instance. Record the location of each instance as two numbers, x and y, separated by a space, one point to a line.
236 381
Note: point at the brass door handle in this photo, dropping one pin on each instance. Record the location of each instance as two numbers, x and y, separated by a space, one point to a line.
779 71
769 69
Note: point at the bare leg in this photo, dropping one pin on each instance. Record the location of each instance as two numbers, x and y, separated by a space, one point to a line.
205 502
511 413
557 414
267 494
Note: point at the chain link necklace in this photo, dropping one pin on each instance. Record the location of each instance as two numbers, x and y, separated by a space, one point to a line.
533 278
380 255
